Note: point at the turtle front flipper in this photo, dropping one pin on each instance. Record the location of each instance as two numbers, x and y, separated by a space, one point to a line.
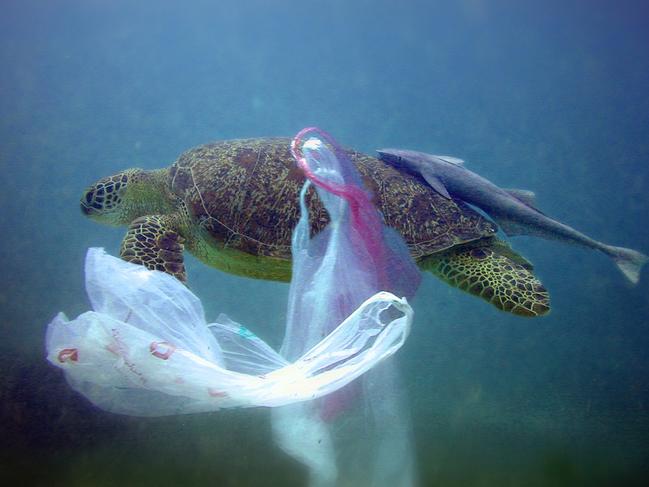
494 272
152 241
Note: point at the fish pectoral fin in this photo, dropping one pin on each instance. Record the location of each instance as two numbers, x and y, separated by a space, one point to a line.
525 196
434 182
512 228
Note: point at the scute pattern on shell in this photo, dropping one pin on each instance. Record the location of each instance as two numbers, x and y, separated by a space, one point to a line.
244 193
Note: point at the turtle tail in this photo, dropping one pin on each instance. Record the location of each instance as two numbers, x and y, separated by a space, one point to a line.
629 261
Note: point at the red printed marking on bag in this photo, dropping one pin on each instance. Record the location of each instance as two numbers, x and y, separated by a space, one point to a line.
68 354
216 393
162 350
120 349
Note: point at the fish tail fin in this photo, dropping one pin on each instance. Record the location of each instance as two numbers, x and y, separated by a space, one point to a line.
629 261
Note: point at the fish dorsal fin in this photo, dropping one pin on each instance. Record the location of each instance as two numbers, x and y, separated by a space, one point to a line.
452 160
435 182
524 196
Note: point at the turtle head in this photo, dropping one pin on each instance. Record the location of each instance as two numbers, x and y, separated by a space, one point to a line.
119 199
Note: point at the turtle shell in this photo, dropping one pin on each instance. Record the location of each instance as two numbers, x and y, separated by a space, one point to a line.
244 194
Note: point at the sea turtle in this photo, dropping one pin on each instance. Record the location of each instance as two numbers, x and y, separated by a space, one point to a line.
234 204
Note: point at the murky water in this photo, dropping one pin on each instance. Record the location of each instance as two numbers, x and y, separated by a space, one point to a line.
547 96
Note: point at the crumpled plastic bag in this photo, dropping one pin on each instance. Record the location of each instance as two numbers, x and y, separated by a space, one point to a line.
147 340
147 350
359 435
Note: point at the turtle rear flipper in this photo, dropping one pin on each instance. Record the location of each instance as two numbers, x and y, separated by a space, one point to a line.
153 242
489 271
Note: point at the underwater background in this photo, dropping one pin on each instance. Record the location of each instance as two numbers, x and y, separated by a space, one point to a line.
550 96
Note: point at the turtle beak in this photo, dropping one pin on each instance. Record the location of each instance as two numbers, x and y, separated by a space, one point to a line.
85 209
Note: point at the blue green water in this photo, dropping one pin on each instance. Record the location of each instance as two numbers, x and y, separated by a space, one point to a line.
550 96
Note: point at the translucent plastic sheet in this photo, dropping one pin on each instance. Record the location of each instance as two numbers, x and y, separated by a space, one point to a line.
147 339
359 435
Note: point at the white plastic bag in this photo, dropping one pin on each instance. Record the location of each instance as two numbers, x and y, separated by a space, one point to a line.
147 340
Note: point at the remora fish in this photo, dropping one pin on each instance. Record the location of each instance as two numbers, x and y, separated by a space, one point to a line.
512 209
